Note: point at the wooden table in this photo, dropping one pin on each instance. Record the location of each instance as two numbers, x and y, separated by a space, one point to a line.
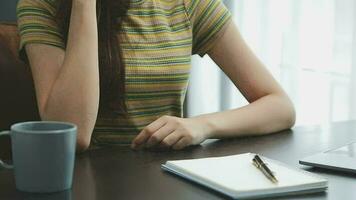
120 173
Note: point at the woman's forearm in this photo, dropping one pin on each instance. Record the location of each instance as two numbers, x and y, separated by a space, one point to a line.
268 114
74 96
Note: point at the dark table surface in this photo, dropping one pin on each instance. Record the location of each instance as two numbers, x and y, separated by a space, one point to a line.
120 173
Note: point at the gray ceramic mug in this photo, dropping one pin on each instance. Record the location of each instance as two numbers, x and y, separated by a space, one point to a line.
43 155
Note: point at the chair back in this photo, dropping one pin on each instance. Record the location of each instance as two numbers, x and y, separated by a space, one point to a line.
17 93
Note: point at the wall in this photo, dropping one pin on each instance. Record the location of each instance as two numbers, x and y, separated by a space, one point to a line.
8 10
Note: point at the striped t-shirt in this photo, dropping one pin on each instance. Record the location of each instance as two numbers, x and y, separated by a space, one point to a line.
158 38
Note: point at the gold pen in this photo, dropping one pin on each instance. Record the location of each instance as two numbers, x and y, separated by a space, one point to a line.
258 162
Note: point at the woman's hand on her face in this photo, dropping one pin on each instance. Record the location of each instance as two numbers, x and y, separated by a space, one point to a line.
172 132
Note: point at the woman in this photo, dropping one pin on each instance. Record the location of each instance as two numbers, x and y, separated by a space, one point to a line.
121 67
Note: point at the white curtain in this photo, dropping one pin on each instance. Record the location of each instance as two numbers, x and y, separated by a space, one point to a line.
308 45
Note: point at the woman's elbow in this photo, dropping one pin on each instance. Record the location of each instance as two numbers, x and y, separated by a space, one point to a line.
82 144
84 135
84 131
291 119
290 114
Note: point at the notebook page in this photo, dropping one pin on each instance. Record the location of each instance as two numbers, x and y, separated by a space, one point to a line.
237 173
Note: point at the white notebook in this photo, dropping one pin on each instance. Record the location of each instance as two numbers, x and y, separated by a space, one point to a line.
237 177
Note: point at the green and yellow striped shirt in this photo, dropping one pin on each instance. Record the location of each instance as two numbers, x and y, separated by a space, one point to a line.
158 38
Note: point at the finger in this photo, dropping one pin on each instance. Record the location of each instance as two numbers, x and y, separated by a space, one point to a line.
183 142
171 139
159 135
148 131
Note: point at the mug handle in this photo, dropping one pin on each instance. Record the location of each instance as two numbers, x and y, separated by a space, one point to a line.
2 164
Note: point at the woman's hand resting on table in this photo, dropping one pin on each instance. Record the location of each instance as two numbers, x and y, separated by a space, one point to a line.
172 132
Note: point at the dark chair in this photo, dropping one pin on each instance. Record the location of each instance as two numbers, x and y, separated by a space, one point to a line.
17 94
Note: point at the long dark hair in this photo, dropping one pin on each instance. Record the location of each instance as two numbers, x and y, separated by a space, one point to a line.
110 14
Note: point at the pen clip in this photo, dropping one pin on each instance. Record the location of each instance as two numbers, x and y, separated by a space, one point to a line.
258 162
